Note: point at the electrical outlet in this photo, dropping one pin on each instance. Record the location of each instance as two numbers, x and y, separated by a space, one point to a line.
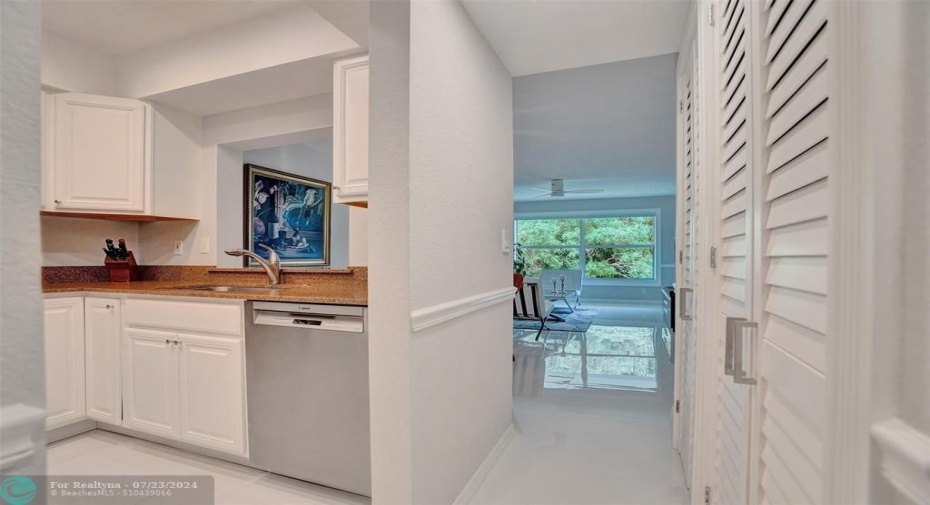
178 247
205 245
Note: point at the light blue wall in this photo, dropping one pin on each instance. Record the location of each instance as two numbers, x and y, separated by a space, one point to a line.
666 237
302 159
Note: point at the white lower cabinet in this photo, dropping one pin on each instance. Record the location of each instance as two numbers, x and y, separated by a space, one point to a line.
102 330
150 382
212 403
64 361
183 385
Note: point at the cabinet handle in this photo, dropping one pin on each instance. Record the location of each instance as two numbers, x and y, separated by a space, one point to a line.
108 306
57 202
337 188
167 341
176 342
683 308
739 373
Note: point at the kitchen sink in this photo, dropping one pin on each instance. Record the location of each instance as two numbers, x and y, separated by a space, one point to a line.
230 289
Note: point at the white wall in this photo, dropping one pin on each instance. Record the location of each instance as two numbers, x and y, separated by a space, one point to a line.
602 289
22 359
69 66
225 138
441 188
77 242
298 159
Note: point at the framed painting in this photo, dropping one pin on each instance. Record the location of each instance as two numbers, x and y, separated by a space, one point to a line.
289 213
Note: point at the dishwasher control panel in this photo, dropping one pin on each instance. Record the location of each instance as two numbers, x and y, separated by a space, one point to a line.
310 316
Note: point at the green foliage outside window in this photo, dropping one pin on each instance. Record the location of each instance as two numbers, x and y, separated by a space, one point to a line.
613 247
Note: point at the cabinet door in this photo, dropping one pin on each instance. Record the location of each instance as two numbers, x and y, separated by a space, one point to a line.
213 392
64 361
100 155
102 359
350 131
150 381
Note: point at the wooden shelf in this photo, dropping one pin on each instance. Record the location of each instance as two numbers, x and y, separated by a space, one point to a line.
134 218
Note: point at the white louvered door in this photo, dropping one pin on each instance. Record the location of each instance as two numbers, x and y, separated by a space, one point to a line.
734 272
686 328
796 156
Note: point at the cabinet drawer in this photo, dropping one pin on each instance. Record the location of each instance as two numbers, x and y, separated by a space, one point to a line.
188 316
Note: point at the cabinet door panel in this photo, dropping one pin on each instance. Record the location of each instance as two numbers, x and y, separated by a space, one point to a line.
350 130
150 381
102 358
100 153
212 392
64 360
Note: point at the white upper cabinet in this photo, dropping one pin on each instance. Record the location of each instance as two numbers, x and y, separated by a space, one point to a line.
102 359
350 131
99 160
64 361
106 155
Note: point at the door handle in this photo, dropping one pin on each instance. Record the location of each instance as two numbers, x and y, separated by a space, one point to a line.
728 362
683 308
739 373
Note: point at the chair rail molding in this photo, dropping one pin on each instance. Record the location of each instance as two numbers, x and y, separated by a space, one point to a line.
434 315
905 458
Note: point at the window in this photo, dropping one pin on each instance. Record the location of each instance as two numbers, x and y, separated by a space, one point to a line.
606 247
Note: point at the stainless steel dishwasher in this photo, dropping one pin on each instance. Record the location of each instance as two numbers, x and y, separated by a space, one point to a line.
307 379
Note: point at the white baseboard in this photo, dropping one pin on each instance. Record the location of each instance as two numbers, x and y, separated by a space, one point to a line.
474 483
639 302
70 430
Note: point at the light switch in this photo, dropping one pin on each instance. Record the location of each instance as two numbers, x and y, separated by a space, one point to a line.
205 245
178 247
505 243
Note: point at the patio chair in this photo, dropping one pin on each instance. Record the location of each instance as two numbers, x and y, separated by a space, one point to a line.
529 305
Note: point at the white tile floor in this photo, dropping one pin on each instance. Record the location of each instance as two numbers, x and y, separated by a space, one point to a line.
577 442
593 445
103 453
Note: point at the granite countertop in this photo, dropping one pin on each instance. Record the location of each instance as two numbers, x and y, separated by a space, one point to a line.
336 287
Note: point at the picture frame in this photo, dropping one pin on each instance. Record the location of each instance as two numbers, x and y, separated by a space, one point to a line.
290 213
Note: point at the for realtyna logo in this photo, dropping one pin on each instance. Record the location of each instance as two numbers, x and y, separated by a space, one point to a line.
17 490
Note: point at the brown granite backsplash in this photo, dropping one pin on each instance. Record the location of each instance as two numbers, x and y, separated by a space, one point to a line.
209 275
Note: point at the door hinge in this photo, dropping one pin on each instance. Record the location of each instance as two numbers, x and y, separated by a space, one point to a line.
677 406
681 107
710 14
713 257
707 495
681 256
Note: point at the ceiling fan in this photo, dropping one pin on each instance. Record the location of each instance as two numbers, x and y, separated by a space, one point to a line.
557 189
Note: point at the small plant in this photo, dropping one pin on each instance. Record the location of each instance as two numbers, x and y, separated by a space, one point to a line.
519 260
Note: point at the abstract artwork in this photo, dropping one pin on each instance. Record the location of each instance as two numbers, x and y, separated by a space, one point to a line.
288 213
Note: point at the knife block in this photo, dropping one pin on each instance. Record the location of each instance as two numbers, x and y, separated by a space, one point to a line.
123 271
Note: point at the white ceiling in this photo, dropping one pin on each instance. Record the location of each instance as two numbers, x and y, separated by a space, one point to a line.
545 35
119 27
609 126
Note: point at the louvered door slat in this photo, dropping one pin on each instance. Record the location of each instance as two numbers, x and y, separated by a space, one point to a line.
811 60
807 274
808 133
774 15
806 344
793 15
805 169
808 98
806 436
805 204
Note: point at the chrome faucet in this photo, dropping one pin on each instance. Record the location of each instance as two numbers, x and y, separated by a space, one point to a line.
272 265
